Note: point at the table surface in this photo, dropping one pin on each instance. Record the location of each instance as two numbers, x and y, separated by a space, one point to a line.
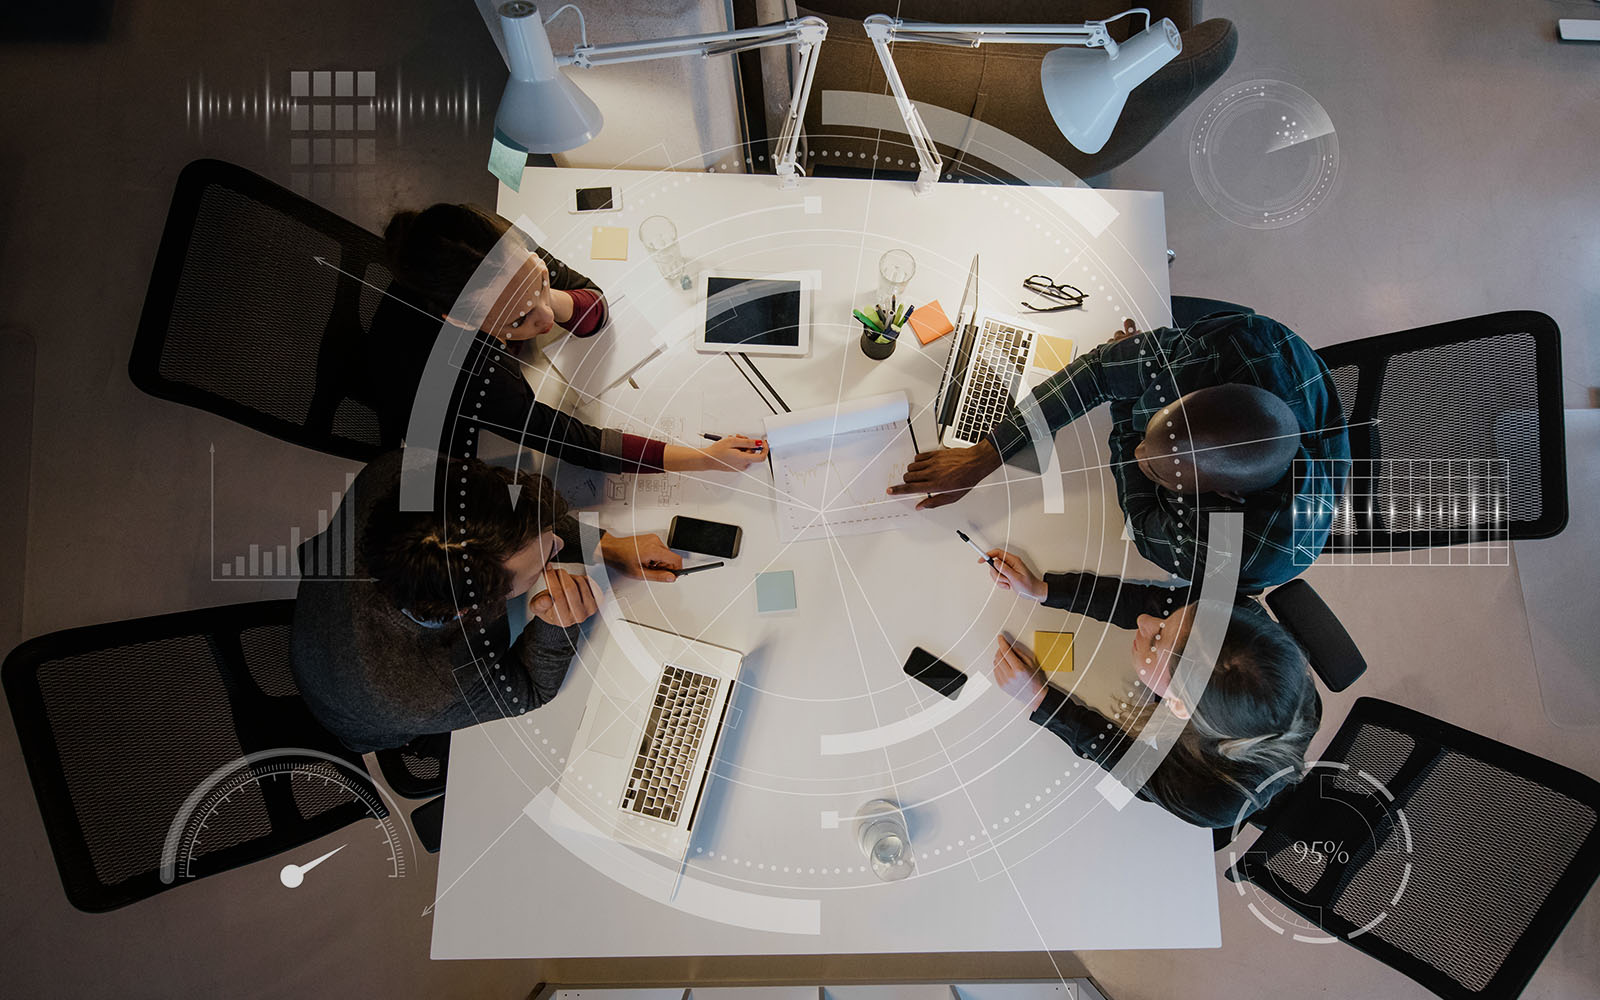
1016 849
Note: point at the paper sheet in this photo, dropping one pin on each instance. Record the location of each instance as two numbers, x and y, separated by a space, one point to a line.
832 464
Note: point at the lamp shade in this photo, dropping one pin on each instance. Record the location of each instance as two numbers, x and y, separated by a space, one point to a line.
1085 89
541 110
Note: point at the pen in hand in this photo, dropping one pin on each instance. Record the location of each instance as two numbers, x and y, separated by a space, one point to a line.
696 569
718 437
982 554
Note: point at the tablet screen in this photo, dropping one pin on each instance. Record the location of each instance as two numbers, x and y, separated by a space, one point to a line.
762 312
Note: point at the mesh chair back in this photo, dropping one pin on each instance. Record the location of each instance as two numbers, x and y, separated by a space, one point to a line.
418 769
242 319
119 723
1463 881
1465 407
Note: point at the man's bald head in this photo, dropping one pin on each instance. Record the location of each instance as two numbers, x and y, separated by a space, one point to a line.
1223 439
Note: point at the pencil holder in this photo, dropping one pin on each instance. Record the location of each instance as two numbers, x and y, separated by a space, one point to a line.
875 347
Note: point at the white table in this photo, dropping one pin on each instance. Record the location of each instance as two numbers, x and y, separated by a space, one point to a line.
1016 849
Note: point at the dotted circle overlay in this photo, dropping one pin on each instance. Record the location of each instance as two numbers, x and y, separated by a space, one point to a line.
1264 154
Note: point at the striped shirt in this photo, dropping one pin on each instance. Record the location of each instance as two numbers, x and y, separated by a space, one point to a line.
1143 373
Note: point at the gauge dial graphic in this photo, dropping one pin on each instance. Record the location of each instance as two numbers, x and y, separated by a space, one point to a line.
229 812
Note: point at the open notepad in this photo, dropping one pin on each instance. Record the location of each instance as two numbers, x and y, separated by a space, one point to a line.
832 464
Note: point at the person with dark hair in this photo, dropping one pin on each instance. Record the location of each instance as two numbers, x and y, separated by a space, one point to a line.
438 257
405 632
1233 413
1252 722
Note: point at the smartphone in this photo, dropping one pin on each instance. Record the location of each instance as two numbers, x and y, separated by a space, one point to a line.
596 199
710 538
934 672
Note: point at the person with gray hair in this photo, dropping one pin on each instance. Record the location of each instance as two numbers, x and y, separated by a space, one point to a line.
1233 413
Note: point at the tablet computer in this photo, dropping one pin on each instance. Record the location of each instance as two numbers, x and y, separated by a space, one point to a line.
752 313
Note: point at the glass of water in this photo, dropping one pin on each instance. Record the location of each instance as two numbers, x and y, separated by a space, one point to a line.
660 237
895 269
881 832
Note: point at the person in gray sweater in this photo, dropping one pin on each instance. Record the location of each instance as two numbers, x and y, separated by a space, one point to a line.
412 637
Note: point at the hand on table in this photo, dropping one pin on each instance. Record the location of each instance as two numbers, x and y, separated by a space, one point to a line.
570 599
643 557
1129 329
947 475
1017 673
1009 572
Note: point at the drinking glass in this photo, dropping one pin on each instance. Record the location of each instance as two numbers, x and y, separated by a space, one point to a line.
895 269
883 838
660 237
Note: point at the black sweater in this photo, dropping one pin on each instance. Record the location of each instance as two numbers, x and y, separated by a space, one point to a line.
1185 786
396 355
376 678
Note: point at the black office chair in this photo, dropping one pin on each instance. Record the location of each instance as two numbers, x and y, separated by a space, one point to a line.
417 770
1468 892
258 306
120 722
1468 391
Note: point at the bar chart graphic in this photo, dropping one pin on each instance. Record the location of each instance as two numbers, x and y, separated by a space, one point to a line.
334 559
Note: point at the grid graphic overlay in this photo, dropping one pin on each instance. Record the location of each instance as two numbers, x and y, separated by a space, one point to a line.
1444 511
333 115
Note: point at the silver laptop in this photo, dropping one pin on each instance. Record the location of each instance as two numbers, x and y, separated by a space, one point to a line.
987 370
639 766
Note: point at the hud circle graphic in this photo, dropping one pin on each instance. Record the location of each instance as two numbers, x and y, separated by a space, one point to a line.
1264 154
1359 853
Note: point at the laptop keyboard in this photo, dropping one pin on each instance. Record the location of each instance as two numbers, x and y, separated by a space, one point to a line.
993 376
659 781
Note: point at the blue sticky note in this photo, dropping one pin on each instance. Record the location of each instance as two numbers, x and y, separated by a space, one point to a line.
775 591
506 161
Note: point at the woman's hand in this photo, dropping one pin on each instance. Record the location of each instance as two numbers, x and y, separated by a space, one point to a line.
734 452
1009 572
643 557
1017 673
570 599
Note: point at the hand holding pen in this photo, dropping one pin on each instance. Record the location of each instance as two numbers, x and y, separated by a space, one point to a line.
733 452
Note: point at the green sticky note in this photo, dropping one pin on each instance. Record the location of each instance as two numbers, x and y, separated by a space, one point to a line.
507 163
775 592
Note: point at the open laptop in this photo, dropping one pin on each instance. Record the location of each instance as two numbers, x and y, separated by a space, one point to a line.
990 355
639 765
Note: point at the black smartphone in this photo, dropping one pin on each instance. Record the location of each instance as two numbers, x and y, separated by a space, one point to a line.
934 672
711 538
596 199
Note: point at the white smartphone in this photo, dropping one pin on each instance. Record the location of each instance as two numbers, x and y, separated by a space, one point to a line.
596 199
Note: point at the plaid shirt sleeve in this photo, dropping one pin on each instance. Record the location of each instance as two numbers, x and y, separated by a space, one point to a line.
1165 526
1110 371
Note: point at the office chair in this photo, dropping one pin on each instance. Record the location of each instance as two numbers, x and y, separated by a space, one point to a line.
1483 388
1468 892
257 308
998 86
417 770
1333 656
120 722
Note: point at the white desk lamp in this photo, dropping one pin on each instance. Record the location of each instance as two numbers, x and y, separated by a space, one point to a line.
1085 91
544 112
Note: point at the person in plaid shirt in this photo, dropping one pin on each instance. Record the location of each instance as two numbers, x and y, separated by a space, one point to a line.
1235 412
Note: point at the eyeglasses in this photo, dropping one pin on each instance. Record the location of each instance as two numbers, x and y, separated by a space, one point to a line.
1068 295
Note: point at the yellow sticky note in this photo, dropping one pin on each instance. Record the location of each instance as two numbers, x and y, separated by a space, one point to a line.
1052 353
1054 650
609 243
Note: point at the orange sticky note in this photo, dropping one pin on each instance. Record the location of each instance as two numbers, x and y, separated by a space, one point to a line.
1054 651
930 323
